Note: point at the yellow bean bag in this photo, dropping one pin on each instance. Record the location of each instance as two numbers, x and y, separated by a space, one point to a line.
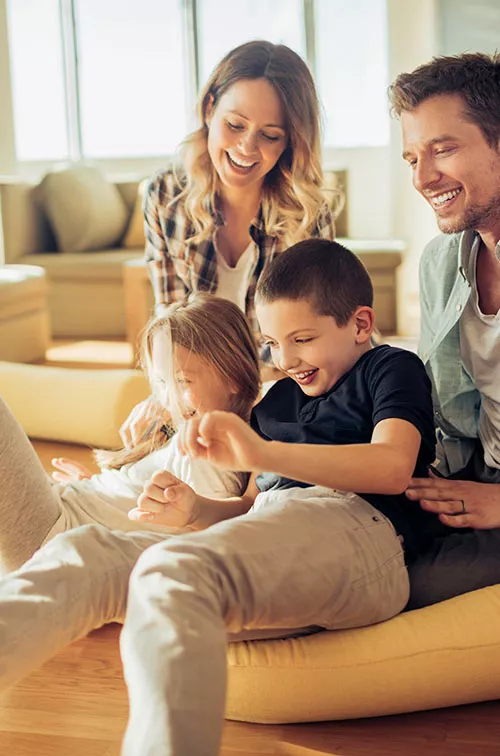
443 655
65 404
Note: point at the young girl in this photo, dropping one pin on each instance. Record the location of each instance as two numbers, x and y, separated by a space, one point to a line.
202 351
249 186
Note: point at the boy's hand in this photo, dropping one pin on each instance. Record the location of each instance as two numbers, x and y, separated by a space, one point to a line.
70 471
165 500
224 439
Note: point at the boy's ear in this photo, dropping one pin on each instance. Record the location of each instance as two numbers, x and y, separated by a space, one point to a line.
364 321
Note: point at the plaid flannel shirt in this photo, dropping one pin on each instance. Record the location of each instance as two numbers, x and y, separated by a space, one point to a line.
178 267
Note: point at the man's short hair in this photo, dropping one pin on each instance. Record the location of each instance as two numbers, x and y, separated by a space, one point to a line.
473 76
324 273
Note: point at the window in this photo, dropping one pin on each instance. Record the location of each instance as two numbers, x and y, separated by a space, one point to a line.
280 22
116 79
37 70
352 71
132 79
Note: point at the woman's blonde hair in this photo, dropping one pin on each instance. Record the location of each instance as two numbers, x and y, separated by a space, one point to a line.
216 331
292 192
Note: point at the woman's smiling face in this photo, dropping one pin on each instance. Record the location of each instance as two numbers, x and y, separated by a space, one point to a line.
246 133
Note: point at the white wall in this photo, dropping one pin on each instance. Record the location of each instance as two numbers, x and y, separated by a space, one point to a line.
369 189
7 147
413 40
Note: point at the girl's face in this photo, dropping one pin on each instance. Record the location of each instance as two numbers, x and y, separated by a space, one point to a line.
199 387
246 133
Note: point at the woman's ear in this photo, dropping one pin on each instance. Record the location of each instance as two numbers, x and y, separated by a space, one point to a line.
364 321
209 109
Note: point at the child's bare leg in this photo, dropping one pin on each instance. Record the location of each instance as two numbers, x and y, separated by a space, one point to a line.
75 583
28 505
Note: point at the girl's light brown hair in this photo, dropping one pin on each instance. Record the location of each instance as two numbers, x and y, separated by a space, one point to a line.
292 194
217 332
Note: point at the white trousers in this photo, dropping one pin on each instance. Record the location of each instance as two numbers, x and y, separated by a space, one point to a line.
304 558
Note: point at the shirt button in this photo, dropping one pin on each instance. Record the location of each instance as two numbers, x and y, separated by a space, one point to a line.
459 307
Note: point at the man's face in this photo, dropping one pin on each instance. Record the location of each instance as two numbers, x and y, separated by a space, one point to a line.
454 168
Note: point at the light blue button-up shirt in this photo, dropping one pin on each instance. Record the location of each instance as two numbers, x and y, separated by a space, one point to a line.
444 292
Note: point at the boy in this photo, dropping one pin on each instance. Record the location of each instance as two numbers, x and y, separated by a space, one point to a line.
309 554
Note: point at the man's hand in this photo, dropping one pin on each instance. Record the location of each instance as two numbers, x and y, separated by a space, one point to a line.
481 501
225 440
69 470
165 500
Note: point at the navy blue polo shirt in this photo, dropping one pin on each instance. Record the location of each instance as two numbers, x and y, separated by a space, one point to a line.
386 382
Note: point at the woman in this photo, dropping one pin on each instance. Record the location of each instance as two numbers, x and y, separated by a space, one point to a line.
249 187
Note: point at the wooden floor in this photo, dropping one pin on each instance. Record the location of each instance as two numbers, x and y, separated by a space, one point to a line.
76 705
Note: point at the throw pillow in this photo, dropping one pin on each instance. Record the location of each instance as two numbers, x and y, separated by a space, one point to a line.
84 209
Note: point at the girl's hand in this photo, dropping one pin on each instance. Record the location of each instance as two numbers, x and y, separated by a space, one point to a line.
70 471
165 500
145 419
225 440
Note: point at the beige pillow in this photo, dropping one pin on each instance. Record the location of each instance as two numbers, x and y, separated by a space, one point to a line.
84 209
134 235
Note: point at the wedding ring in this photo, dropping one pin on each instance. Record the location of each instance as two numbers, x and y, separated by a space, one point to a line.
464 511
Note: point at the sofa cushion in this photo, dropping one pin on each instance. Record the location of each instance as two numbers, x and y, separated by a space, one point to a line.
85 211
134 235
73 405
85 267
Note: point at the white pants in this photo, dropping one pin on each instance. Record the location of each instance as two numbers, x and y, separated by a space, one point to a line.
303 558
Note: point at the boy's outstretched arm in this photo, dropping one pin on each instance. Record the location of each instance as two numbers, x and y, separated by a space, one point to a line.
383 466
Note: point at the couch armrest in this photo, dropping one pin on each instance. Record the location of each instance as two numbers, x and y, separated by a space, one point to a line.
24 227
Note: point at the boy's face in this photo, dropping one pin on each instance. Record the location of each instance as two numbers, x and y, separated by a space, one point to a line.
453 166
310 348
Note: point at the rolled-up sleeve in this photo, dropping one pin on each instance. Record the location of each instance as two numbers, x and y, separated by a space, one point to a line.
159 220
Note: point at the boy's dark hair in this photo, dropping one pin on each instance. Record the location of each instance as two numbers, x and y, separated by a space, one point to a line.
326 274
475 77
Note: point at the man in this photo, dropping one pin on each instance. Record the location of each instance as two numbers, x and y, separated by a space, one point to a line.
450 117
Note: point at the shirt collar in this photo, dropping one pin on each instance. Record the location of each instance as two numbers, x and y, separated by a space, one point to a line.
467 252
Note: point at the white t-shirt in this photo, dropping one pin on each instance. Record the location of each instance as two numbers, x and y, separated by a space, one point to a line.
480 349
106 498
233 282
